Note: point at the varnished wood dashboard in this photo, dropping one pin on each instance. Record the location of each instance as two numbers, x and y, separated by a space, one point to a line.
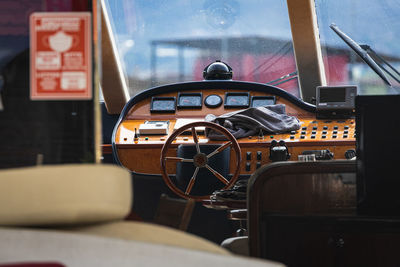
140 153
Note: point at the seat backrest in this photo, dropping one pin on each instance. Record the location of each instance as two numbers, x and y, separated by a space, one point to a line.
64 194
298 188
174 212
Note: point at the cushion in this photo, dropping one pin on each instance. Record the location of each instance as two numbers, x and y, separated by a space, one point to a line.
72 249
150 233
64 194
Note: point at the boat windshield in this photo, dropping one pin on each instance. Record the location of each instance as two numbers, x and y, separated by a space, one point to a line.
161 42
370 22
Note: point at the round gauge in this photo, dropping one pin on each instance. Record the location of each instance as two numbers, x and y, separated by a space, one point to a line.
213 101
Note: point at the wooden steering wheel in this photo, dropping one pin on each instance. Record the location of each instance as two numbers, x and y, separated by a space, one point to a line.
200 160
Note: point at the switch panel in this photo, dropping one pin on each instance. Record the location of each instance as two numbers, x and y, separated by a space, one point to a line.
259 155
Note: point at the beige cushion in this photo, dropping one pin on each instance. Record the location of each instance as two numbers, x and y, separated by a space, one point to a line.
77 250
64 194
150 233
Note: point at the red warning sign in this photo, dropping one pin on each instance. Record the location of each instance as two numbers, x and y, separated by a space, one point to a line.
60 51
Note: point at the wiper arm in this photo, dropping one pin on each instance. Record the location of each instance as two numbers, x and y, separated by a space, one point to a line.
373 54
361 52
280 80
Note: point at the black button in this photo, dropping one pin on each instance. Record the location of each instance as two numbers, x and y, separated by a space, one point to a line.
259 155
248 155
247 166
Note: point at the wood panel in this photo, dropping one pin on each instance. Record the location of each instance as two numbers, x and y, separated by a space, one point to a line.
299 188
142 154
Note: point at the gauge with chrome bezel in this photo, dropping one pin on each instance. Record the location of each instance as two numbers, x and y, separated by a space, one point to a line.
262 101
237 100
163 104
213 101
190 100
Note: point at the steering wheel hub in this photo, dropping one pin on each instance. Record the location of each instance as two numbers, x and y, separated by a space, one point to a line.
200 160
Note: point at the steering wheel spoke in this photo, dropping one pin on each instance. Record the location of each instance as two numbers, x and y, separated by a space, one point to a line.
178 159
218 175
191 182
196 139
219 149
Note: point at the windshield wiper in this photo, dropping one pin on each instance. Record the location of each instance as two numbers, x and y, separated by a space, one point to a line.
378 59
361 52
283 79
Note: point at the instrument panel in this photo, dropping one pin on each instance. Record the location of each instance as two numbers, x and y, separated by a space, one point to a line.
190 100
150 121
195 100
237 100
163 104
213 101
262 101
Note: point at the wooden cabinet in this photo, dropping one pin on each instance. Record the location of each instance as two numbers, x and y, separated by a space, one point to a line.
332 240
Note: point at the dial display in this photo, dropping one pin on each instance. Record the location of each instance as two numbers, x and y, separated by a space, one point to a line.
190 100
262 101
213 101
163 104
237 100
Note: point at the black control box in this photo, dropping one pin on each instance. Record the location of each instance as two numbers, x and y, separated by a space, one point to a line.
335 101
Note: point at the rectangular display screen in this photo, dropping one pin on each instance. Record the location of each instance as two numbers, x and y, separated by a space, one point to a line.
190 100
162 104
335 94
240 100
262 101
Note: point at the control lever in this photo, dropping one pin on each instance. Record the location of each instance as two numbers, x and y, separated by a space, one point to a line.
350 154
323 154
278 151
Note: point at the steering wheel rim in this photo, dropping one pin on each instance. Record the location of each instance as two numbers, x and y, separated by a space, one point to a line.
200 159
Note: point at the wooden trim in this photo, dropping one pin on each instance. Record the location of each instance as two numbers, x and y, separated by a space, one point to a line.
113 81
106 149
270 171
307 47
96 81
